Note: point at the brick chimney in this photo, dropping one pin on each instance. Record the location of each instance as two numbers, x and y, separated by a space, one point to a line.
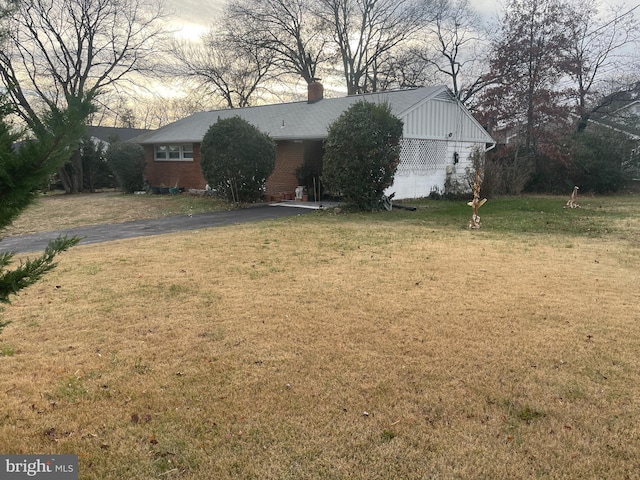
315 92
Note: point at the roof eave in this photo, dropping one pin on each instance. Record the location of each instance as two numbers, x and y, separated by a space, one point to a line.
298 138
166 142
277 138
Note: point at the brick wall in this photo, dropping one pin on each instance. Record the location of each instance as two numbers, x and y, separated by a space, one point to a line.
166 173
289 157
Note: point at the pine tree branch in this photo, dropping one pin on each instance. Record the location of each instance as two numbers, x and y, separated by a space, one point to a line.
30 271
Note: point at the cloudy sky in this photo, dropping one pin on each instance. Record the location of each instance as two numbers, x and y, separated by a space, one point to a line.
193 17
196 11
199 14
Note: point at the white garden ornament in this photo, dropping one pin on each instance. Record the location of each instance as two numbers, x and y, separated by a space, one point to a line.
476 203
572 202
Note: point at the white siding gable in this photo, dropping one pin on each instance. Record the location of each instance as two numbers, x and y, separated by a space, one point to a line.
443 119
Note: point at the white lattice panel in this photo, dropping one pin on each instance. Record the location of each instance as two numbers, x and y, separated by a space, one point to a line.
421 157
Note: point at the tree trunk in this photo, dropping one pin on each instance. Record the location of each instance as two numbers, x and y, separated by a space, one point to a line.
71 174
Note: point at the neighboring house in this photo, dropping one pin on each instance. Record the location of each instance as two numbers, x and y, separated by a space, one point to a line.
621 117
620 112
439 134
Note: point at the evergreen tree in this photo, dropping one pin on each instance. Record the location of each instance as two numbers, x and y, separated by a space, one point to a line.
236 160
362 153
24 168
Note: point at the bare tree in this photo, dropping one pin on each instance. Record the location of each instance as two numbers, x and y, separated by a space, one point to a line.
61 50
527 60
158 111
287 28
595 44
453 44
366 31
227 64
404 68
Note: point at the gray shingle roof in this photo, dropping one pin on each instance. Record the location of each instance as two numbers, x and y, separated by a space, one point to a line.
288 121
107 133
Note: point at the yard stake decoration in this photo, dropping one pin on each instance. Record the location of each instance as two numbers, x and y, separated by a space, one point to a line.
476 203
572 202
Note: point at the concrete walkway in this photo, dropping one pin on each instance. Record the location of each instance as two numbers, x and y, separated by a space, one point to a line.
140 228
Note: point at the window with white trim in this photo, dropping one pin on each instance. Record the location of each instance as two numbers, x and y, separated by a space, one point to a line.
174 152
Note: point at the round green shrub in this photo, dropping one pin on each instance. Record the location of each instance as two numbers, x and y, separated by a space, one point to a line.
362 153
236 159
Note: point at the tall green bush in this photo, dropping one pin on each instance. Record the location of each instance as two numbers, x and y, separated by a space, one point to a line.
599 155
95 170
362 153
507 171
127 163
236 159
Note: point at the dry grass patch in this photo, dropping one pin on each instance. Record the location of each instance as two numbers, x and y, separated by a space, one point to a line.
331 347
57 211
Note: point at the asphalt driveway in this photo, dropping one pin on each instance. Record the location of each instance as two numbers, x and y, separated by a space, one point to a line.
141 228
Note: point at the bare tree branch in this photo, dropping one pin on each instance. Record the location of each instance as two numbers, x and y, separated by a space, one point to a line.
365 31
288 28
64 49
595 42
234 69
527 60
453 44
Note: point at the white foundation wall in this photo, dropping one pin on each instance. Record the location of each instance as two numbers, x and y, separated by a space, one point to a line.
416 186
425 165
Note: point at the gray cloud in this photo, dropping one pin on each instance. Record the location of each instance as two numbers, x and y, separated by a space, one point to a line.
201 12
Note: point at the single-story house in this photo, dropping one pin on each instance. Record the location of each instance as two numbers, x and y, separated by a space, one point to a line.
439 134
